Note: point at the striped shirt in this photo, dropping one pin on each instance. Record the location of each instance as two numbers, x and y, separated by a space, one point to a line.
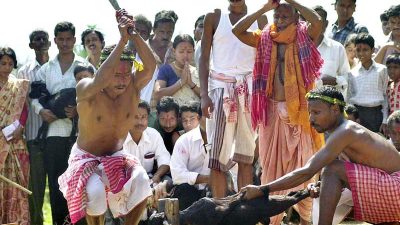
29 72
50 73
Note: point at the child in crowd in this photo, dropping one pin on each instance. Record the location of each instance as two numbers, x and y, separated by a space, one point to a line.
393 70
350 47
83 71
352 113
368 84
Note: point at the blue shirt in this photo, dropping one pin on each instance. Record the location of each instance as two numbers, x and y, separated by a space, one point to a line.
349 28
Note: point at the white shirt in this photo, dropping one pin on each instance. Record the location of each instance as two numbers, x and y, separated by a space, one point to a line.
29 72
189 159
335 63
368 88
150 147
50 73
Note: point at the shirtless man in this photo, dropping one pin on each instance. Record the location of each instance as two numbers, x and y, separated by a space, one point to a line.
107 105
372 174
286 66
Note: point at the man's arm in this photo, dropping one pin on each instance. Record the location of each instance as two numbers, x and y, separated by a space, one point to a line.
204 63
240 29
336 143
314 30
344 68
162 155
87 87
149 62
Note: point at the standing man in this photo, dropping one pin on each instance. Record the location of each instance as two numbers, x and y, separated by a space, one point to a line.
345 23
232 64
198 33
39 42
58 74
100 173
287 64
336 67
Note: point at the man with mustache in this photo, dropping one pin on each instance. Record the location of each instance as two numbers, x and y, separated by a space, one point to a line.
147 145
39 42
100 174
167 122
227 112
372 173
286 67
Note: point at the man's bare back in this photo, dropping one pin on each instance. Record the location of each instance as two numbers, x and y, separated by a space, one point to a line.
366 147
104 122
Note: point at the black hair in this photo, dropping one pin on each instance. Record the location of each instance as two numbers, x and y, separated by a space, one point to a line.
328 91
352 110
365 38
384 16
321 11
89 31
182 38
143 20
36 32
64 27
199 20
83 67
7 51
192 106
167 104
393 58
351 39
143 104
393 118
108 49
393 11
338 0
165 16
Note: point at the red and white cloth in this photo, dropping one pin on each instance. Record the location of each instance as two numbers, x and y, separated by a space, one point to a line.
115 172
393 93
376 194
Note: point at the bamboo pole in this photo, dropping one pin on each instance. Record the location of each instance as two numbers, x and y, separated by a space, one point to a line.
12 183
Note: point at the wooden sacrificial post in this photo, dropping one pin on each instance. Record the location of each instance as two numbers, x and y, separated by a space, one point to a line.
170 206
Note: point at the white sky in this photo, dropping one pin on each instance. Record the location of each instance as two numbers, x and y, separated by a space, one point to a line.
20 17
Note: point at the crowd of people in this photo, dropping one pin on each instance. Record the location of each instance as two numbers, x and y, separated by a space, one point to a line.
245 106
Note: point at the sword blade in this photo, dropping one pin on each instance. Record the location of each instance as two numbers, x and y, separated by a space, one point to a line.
115 4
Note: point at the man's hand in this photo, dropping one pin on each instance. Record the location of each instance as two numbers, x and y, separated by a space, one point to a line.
47 115
126 25
156 179
251 191
207 106
17 134
313 189
329 80
271 4
70 111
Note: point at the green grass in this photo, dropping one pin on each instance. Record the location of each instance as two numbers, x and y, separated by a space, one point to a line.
46 208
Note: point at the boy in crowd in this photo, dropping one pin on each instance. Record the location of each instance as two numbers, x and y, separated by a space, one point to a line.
367 86
393 70
352 113
83 71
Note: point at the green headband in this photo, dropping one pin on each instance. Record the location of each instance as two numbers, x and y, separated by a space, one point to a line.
125 57
334 101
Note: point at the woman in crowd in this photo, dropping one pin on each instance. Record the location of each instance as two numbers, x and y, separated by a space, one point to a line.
14 157
179 79
93 41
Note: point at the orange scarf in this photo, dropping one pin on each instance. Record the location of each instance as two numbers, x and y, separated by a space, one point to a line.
295 90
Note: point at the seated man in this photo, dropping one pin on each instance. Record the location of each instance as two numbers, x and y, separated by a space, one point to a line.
147 145
167 122
190 115
372 174
189 163
99 173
